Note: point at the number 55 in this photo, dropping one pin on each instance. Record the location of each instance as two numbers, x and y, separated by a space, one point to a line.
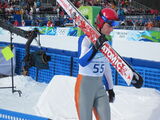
98 68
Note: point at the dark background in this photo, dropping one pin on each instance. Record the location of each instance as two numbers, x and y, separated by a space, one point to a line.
154 4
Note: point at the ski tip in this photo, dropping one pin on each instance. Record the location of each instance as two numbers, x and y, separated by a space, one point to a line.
137 80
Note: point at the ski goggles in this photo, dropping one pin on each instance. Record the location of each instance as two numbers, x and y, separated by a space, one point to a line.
112 23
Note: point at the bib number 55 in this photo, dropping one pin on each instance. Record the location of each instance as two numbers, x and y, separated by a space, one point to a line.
98 68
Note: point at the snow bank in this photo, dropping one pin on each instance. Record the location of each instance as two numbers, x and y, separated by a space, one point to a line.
57 102
56 99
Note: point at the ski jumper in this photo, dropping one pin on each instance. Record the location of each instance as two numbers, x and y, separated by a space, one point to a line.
90 93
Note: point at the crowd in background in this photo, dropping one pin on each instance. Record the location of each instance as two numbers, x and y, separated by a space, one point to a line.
143 18
33 13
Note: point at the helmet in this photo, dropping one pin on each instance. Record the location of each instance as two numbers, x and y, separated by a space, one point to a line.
107 15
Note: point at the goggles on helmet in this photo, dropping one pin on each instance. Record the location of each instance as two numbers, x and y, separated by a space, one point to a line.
112 23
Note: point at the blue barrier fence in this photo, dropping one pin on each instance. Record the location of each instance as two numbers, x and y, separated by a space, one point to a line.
66 63
11 115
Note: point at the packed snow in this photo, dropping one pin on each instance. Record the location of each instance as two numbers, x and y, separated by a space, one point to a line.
130 103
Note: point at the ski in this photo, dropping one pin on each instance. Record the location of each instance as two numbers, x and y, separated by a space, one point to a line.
123 68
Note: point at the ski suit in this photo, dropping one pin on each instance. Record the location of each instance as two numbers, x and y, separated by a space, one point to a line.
90 93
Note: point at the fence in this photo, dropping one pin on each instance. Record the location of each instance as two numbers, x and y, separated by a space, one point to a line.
66 63
11 115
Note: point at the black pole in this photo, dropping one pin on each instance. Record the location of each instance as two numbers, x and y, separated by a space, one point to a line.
11 45
37 71
116 78
71 67
12 73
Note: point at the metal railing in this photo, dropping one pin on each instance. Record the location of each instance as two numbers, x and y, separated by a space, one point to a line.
138 28
138 5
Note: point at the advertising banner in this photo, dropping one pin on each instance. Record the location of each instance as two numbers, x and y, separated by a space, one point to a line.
62 31
137 44
137 35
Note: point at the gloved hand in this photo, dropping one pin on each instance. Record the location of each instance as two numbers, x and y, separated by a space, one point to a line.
111 95
100 41
137 80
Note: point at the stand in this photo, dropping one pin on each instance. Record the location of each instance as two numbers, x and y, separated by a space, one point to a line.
39 44
12 74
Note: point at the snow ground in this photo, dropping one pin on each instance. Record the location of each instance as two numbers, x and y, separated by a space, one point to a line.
130 103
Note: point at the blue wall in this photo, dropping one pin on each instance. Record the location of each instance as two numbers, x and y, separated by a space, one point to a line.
66 63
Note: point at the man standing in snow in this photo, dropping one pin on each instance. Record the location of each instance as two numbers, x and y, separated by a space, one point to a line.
90 94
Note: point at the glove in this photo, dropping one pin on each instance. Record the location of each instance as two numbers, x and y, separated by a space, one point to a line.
111 95
137 80
98 45
100 41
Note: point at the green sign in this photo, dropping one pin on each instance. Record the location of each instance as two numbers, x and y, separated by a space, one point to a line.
90 12
7 53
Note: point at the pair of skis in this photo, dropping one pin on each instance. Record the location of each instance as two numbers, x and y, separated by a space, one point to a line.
123 68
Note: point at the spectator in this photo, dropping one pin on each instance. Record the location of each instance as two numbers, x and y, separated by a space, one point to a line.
16 23
120 13
38 3
149 25
50 23
23 23
77 4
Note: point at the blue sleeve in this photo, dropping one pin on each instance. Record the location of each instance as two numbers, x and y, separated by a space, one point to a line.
85 60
